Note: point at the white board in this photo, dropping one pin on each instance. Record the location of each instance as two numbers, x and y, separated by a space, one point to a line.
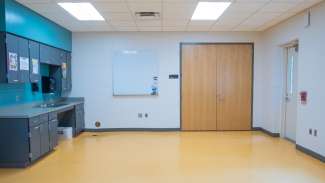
135 73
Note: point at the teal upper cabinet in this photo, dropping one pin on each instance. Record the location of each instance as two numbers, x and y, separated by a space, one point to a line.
21 21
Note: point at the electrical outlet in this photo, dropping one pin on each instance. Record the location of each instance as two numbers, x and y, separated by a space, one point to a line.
146 115
139 115
97 124
315 133
310 131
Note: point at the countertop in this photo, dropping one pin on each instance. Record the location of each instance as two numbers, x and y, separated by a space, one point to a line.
31 110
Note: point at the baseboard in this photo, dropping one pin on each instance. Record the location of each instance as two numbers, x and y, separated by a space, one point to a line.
310 153
133 130
266 132
14 164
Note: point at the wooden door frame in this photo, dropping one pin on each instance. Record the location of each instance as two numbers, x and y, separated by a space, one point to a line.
216 43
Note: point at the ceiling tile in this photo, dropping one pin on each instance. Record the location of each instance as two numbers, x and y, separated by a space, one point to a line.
121 28
287 1
198 28
253 1
110 7
150 28
276 20
245 7
123 23
84 27
260 19
245 28
136 7
222 27
279 7
180 1
126 16
304 5
244 15
233 18
178 10
143 1
149 23
172 22
174 28
201 23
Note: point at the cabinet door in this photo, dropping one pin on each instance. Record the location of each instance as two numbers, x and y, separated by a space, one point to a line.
69 72
35 142
34 55
45 144
57 56
53 124
12 44
80 118
45 54
64 73
79 122
23 60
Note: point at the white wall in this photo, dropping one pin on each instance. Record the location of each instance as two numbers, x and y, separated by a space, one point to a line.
92 59
311 66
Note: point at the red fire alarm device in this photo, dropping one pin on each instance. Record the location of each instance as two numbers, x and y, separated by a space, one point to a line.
303 97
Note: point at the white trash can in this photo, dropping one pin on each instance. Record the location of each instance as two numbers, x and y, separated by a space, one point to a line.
65 133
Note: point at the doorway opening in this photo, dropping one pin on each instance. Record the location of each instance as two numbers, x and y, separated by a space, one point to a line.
290 92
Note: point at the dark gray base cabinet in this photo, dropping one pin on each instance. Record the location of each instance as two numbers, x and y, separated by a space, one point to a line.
23 141
80 119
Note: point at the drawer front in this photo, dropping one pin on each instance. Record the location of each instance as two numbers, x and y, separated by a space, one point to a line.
53 116
80 107
44 118
34 121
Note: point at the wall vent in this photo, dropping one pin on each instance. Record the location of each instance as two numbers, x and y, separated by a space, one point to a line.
147 15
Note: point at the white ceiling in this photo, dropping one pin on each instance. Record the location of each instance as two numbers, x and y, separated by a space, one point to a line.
242 15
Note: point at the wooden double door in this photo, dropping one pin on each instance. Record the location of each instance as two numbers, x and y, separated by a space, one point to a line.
216 86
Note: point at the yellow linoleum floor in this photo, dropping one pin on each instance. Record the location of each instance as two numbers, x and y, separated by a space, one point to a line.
160 157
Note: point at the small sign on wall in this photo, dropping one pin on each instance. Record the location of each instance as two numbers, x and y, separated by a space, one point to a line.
24 64
13 61
303 97
35 66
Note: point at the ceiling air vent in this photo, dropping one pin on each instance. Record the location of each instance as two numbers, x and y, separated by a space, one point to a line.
145 15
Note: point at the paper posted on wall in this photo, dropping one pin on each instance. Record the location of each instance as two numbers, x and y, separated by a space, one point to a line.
23 63
35 66
64 70
13 61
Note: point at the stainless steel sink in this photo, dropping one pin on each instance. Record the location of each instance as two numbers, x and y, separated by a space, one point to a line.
51 105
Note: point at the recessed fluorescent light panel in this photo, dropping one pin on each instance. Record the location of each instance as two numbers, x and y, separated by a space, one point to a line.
82 11
210 10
